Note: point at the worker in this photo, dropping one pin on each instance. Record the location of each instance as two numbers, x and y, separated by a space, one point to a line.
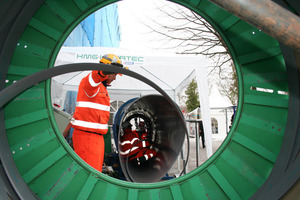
92 112
134 148
142 130
201 133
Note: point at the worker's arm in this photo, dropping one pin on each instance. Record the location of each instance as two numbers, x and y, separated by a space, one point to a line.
92 81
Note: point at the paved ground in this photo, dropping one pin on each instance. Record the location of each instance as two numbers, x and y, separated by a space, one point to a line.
192 161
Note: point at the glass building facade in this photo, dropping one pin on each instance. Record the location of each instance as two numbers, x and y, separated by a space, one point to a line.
100 29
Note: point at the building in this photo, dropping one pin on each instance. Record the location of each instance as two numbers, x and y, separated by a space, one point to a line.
100 29
221 112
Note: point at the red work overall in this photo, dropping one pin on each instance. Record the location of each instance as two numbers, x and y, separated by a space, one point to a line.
90 119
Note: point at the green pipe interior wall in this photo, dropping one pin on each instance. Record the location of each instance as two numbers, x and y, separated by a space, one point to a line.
257 160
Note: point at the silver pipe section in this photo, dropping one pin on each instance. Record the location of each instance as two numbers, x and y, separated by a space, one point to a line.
166 132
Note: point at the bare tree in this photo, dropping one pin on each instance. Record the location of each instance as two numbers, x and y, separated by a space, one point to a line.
189 33
228 86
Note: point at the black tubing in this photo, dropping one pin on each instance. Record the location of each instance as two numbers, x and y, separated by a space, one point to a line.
13 90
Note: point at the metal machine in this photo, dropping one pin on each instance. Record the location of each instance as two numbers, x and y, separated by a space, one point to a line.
166 131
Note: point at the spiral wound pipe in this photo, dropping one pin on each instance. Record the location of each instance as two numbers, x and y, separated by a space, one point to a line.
259 159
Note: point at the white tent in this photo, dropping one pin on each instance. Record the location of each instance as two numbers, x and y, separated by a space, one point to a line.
168 72
171 73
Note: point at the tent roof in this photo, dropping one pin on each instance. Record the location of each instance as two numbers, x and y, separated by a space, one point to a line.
172 73
166 71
